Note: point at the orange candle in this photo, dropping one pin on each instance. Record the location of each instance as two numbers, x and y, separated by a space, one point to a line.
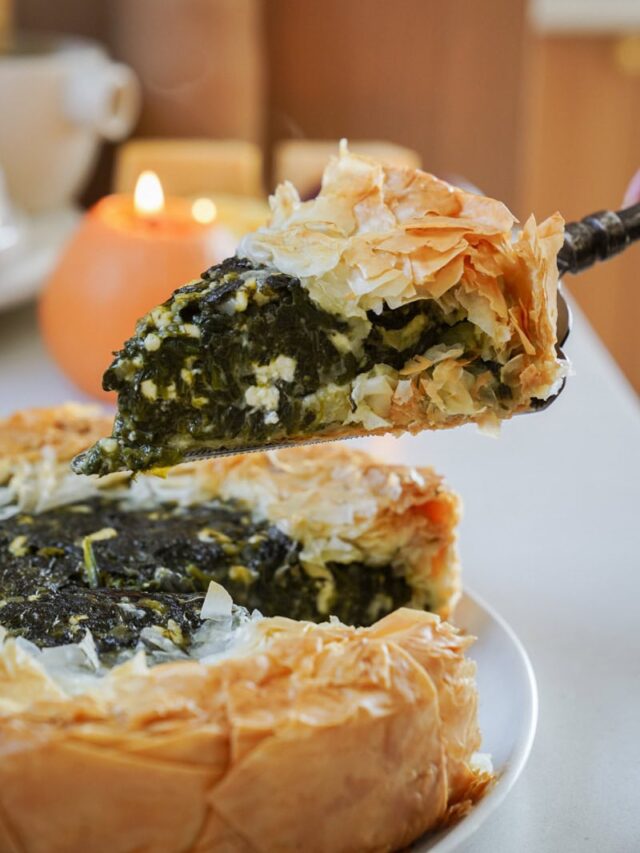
129 254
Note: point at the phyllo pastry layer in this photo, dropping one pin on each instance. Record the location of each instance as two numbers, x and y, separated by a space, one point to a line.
297 737
307 533
392 302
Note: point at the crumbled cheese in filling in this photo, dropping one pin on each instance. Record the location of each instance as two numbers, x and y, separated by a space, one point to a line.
18 546
161 317
149 389
341 342
152 342
237 303
283 367
262 397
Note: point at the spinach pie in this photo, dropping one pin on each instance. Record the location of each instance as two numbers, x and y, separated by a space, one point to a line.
142 709
392 302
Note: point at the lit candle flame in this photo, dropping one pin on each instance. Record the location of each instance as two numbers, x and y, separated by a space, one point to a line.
204 211
148 197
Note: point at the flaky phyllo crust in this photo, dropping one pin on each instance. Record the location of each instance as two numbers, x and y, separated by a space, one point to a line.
341 505
380 236
317 738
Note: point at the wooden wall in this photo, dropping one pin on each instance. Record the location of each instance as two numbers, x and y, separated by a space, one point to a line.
443 78
583 146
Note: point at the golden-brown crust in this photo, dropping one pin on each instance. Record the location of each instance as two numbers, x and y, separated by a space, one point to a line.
340 503
67 428
323 738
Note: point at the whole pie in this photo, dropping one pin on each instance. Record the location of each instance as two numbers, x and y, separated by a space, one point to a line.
153 694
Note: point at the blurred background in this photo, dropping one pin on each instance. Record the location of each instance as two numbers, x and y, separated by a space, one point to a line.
537 102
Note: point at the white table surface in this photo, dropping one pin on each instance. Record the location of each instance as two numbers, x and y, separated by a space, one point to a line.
551 539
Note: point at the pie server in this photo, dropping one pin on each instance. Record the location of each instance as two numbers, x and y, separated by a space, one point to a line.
597 237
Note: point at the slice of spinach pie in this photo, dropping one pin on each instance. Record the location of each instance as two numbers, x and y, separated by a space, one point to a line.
306 533
392 302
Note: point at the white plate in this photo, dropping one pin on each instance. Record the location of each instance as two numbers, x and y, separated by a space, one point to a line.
508 712
24 271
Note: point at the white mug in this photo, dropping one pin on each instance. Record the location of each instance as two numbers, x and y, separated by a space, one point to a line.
59 97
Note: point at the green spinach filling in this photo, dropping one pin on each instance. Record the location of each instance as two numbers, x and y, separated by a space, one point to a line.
244 357
116 571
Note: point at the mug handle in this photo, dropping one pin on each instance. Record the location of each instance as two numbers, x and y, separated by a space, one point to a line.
106 99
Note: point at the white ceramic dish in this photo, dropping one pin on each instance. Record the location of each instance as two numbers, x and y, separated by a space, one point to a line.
28 264
508 712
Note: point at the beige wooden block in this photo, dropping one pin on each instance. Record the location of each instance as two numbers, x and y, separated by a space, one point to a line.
302 161
189 167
